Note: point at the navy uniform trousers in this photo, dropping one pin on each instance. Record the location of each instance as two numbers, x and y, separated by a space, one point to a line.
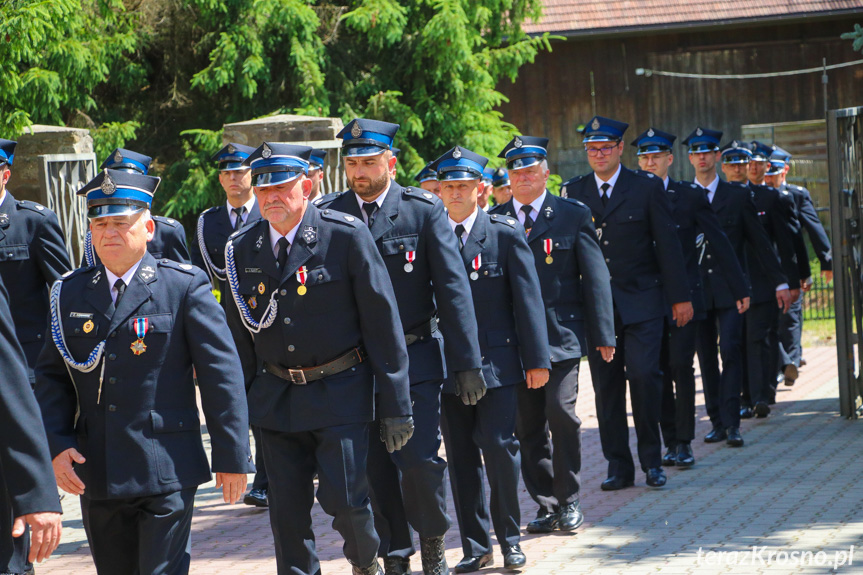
32 256
408 487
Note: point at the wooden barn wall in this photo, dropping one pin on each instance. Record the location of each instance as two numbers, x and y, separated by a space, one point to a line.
552 96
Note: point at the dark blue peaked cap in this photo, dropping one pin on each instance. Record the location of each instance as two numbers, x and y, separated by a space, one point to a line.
500 178
123 159
232 156
119 193
736 152
426 174
600 129
703 140
7 151
363 137
778 159
524 151
316 159
487 175
459 164
760 151
275 163
652 141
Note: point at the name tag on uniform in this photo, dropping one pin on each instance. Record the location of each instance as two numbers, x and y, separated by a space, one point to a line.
80 315
253 270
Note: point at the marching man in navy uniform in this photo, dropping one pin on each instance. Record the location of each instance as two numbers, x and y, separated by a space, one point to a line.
169 239
421 255
317 327
637 235
25 464
577 299
32 256
514 346
214 227
501 189
117 394
697 227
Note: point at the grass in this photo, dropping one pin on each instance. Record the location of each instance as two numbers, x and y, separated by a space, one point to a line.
819 332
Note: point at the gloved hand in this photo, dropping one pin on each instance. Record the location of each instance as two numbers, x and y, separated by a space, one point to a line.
470 386
395 431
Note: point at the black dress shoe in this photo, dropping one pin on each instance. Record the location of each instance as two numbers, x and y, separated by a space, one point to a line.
656 477
571 517
615 483
257 498
513 557
716 435
746 412
684 455
373 569
546 521
762 410
475 563
397 566
670 457
734 437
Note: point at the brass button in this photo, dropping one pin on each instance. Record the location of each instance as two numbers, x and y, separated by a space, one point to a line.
283 292
287 320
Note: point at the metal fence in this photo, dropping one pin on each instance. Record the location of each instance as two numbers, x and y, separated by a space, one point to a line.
818 301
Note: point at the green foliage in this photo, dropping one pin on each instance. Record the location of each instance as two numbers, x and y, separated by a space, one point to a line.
856 36
112 135
192 185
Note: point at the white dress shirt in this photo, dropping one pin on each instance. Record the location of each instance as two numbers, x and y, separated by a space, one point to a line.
276 236
379 201
711 188
233 216
611 182
467 223
127 277
535 206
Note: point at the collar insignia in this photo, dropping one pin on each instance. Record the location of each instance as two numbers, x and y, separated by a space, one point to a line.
310 234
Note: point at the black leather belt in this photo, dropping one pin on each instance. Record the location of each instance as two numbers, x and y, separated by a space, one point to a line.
303 375
425 330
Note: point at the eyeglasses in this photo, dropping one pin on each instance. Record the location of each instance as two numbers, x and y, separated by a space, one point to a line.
606 151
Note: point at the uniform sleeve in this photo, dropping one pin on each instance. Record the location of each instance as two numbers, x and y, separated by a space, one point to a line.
721 247
783 224
51 246
220 378
792 216
24 455
809 219
452 295
243 338
596 285
527 305
380 325
757 238
668 251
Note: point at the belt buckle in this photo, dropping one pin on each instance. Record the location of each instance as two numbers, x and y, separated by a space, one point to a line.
298 376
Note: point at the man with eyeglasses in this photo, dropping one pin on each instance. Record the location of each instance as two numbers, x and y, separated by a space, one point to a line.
576 296
696 226
647 272
721 332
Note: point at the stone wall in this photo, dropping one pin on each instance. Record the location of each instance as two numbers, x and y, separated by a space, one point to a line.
39 140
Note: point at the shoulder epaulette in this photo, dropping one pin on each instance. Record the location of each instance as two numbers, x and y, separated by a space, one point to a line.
574 202
341 217
212 210
420 194
185 268
571 181
500 219
33 206
327 199
169 221
76 272
246 229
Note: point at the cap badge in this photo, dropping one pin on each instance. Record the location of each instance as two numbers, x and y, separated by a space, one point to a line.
517 142
118 157
108 186
231 149
699 132
456 154
356 131
734 144
595 125
267 151
650 133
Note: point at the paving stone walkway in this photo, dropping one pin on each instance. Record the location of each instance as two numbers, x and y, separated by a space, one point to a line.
790 501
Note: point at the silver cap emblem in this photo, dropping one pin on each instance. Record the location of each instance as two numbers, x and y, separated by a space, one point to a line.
356 131
517 142
456 154
595 125
118 157
267 151
699 132
650 133
108 185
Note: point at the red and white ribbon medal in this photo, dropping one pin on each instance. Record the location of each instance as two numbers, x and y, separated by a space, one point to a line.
546 244
476 264
410 257
141 325
302 276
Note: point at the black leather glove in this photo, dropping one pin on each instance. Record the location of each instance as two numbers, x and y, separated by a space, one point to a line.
470 386
395 431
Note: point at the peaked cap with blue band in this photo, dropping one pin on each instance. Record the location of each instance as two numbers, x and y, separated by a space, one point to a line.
123 159
500 178
426 174
600 129
488 176
524 151
703 140
119 193
7 151
232 156
779 158
653 141
316 159
760 151
736 152
459 164
363 137
275 163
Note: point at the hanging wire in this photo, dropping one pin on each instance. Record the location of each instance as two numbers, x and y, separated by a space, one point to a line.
648 72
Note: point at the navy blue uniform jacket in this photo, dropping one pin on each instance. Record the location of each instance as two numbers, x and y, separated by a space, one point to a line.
413 220
698 227
143 437
776 220
507 299
575 287
32 256
24 459
349 303
810 221
636 234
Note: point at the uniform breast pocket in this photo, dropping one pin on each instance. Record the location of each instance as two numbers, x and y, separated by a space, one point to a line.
394 248
14 253
82 327
254 291
630 217
322 285
155 328
487 270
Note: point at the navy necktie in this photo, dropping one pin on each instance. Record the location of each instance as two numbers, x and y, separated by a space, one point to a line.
605 188
528 221
283 253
